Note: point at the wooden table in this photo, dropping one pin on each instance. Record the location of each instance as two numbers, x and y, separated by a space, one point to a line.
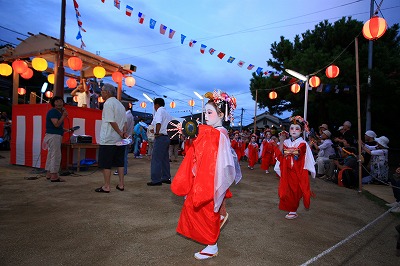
78 146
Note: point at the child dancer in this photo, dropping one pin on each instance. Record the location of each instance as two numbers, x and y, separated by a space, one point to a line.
295 160
237 145
208 169
267 152
252 152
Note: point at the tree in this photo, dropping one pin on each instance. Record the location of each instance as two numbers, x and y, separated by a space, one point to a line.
312 52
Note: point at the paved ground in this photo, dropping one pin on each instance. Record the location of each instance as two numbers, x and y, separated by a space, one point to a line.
43 223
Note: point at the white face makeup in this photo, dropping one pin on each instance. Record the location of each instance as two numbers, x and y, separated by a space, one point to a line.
268 135
295 131
213 118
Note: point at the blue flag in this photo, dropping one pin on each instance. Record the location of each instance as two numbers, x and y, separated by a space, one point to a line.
79 36
152 23
259 70
182 38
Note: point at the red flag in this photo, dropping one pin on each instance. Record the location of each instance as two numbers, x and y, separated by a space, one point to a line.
103 1
221 55
76 4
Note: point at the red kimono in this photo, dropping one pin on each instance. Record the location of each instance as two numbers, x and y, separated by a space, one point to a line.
293 167
238 147
199 179
252 153
267 154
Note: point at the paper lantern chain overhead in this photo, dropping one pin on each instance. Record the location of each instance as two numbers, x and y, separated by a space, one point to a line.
314 81
5 69
172 104
273 95
75 63
19 66
295 88
71 83
39 64
99 72
130 81
117 76
332 71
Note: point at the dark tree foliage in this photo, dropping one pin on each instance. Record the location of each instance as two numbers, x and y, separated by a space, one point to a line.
313 51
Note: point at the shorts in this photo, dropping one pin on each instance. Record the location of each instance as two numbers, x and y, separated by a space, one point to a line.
111 156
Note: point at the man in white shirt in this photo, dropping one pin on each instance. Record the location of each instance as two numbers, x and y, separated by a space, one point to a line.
324 151
160 167
113 129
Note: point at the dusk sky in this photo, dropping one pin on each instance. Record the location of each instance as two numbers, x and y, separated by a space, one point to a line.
244 30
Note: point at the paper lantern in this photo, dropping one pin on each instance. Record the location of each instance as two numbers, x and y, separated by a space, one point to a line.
50 78
5 69
39 64
143 104
332 71
314 81
99 72
117 76
27 74
100 99
19 66
21 91
172 104
191 102
295 88
71 83
272 95
49 94
130 81
75 99
374 28
75 63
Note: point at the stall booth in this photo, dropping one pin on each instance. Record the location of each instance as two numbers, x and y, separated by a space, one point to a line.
29 120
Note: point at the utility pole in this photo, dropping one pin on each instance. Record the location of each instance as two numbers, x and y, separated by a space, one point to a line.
60 71
370 47
241 120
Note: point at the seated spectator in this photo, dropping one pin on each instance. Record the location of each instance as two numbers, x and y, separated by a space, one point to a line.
347 168
379 165
325 150
347 135
369 139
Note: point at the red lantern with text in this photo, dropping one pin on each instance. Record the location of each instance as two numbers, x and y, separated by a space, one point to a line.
19 66
273 95
27 74
314 81
49 94
332 71
75 63
374 28
191 102
71 83
172 104
130 81
100 99
117 76
295 88
21 91
143 104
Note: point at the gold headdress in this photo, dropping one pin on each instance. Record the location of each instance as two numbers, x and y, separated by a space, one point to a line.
221 100
298 120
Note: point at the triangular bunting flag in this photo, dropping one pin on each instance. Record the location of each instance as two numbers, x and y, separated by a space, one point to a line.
259 70
171 33
211 51
337 89
328 88
79 36
192 42
141 17
183 37
203 48
319 88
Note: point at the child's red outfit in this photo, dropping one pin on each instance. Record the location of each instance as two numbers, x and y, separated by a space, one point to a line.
267 154
293 166
204 177
252 153
237 146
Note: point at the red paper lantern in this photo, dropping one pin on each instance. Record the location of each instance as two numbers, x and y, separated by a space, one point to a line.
21 91
191 102
374 28
272 95
143 104
332 71
295 88
49 94
117 76
71 83
27 74
172 104
314 81
19 66
130 81
75 63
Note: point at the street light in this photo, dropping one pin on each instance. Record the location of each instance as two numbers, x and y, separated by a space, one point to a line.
303 78
149 99
202 104
44 88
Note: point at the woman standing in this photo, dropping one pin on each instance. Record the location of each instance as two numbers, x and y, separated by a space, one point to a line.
53 138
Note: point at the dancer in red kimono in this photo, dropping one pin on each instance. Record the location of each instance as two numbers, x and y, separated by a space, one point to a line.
267 152
252 152
205 175
237 145
295 161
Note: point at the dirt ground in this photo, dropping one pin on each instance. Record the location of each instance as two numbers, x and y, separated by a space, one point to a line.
44 223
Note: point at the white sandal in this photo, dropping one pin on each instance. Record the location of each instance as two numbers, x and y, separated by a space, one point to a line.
291 216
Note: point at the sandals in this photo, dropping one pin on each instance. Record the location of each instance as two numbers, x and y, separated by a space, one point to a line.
291 216
100 189
223 220
203 256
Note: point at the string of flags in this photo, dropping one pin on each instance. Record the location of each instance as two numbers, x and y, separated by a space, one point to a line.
203 48
78 20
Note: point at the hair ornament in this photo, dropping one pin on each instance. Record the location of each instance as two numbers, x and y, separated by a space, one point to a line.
220 99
